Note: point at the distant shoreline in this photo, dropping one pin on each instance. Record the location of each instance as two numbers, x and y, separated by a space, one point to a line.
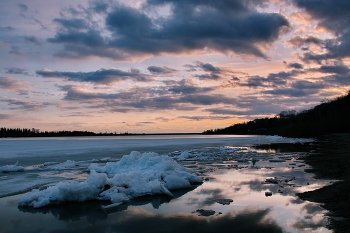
85 134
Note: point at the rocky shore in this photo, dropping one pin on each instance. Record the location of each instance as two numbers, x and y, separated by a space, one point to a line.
331 160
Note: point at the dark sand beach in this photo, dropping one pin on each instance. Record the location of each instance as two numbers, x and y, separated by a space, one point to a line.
331 160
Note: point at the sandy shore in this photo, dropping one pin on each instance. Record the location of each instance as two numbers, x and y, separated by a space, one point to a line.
331 160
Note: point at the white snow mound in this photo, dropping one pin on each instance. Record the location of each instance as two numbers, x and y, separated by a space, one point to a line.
133 176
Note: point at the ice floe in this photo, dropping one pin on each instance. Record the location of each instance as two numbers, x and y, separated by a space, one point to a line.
11 168
133 176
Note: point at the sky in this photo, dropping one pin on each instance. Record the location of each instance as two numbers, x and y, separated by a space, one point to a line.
167 66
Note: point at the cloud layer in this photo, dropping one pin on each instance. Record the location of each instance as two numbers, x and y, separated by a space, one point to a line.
233 26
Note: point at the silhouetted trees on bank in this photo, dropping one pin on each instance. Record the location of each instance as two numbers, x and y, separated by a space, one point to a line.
17 132
328 117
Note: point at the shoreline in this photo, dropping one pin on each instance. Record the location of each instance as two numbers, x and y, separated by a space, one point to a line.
331 160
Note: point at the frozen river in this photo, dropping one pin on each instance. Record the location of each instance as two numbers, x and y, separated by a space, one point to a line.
245 188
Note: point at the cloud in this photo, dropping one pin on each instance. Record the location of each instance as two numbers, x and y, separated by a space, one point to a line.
340 69
295 65
15 50
208 76
208 67
161 70
334 17
299 41
145 98
226 27
5 116
303 84
8 28
200 118
72 23
252 106
26 105
17 70
272 80
33 39
11 84
23 7
292 92
188 87
211 72
102 76
163 119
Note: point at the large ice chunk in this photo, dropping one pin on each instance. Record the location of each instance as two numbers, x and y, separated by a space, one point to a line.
133 176
12 168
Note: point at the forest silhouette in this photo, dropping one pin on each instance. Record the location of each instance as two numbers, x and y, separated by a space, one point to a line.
332 116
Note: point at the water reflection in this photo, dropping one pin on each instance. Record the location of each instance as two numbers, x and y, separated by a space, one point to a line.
92 211
285 147
140 220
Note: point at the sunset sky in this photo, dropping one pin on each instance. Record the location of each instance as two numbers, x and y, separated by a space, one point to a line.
160 66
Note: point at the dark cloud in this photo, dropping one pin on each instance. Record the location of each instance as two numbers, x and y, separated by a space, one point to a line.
211 76
102 76
224 26
295 65
207 99
340 74
89 39
99 6
230 111
187 87
299 41
303 84
334 17
17 70
8 28
160 103
292 92
272 80
239 6
207 67
145 122
213 72
23 7
338 79
200 118
340 69
72 23
161 70
26 105
34 40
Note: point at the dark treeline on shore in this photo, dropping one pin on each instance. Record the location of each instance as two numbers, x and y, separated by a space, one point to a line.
17 132
329 117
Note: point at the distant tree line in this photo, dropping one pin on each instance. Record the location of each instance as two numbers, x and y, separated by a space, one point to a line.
18 132
332 116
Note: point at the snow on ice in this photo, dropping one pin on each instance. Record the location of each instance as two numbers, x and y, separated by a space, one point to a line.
133 176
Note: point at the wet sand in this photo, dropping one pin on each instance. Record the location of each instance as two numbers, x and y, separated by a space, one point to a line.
331 160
